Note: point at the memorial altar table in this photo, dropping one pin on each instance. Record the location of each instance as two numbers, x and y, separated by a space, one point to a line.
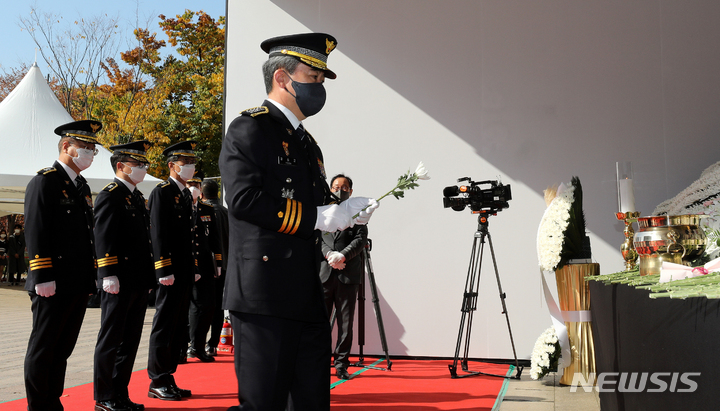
673 343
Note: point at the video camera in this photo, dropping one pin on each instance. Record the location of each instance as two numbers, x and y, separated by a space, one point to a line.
489 200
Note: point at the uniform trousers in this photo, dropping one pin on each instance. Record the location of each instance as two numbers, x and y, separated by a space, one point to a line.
275 357
169 335
342 296
218 313
121 325
56 326
202 308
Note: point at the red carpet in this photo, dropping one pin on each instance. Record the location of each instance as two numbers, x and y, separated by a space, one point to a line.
410 385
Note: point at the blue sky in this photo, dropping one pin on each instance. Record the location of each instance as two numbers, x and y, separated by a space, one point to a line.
17 46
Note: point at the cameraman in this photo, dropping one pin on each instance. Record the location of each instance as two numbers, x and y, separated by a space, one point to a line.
341 272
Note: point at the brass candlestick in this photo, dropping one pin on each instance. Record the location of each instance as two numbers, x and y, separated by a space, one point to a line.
627 248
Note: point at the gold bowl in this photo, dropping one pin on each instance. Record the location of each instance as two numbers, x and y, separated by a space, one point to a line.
677 239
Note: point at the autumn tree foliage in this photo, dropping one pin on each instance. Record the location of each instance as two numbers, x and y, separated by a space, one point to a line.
173 98
161 91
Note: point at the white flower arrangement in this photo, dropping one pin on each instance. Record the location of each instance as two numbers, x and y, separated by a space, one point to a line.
707 185
554 222
546 354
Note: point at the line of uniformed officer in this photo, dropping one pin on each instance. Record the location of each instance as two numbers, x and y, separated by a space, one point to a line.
59 234
125 275
172 233
208 253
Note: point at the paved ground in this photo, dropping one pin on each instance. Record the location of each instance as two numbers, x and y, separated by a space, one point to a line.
15 326
16 322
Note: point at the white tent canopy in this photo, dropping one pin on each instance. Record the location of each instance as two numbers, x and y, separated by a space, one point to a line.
28 116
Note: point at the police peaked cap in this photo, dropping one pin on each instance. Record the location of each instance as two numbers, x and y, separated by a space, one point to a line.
136 150
83 130
310 48
183 148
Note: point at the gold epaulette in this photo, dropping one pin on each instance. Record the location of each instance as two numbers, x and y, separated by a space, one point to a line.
110 186
46 170
163 183
255 111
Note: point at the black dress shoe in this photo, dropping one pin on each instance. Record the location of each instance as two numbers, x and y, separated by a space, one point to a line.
164 393
211 351
110 405
132 406
179 391
200 355
342 373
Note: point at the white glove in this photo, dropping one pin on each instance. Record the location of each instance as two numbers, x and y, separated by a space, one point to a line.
332 218
197 277
355 205
111 284
336 260
219 272
45 289
169 280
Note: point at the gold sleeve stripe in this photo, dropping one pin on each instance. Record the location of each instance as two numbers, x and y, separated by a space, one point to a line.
162 263
104 262
287 214
218 257
40 263
297 220
291 220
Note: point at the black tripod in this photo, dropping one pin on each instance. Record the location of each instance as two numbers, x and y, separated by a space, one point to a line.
469 304
367 265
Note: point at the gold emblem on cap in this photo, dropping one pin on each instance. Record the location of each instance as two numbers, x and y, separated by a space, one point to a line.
95 127
330 46
147 146
192 145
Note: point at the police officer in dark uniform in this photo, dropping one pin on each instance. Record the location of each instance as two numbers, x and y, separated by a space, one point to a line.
171 230
208 253
278 197
59 235
210 195
125 274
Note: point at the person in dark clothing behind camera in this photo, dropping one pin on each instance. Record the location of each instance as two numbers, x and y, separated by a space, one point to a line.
341 272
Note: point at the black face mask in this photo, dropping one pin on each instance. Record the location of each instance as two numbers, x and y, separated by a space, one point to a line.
310 97
342 195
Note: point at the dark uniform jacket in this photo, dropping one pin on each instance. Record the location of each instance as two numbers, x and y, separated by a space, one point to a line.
273 184
350 243
122 234
59 232
171 226
208 250
221 221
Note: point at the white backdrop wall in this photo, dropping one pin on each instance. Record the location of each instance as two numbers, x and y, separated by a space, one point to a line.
530 92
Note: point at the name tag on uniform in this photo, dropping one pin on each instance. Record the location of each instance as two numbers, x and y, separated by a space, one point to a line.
67 201
287 161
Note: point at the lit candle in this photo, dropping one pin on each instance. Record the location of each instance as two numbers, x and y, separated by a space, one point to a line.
626 193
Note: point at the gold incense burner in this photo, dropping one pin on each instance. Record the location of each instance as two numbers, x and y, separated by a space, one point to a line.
676 239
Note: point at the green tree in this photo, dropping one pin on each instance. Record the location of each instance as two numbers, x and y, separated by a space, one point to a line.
190 82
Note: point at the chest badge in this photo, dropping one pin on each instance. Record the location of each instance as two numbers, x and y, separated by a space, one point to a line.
65 194
288 193
89 201
285 147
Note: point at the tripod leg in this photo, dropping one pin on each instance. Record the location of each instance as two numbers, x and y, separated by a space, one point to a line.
361 321
468 306
502 300
376 304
